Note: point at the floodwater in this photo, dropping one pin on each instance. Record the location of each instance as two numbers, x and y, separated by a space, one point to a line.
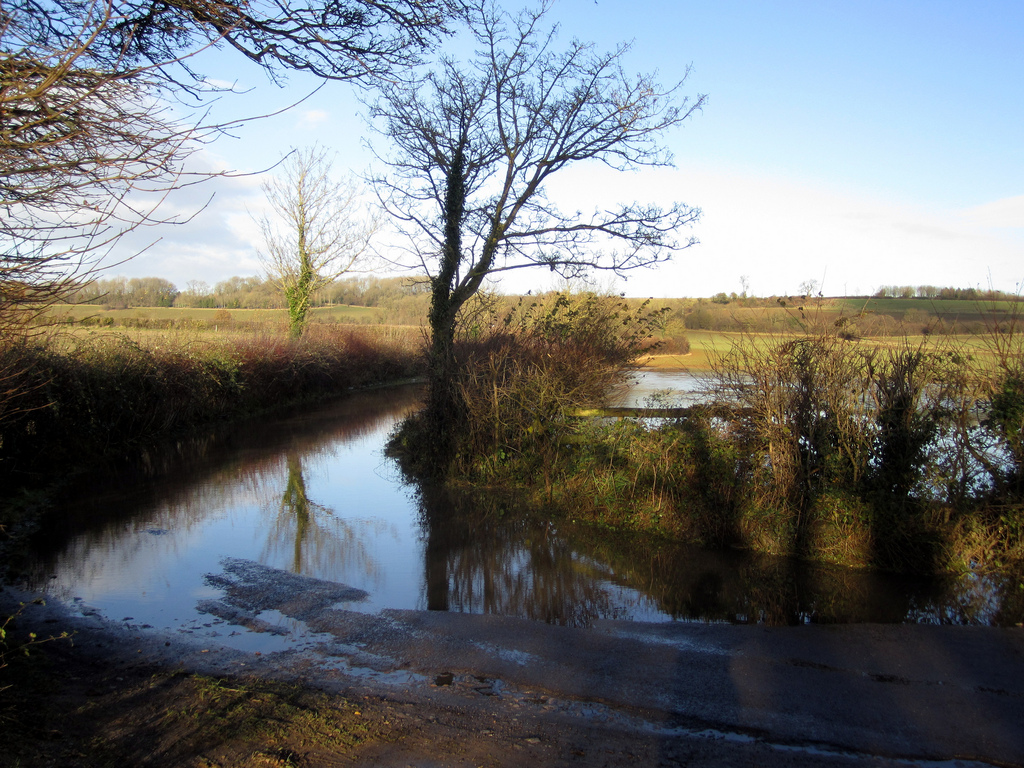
312 493
661 388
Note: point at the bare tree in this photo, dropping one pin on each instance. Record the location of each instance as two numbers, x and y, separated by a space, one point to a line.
809 288
332 39
319 229
100 109
474 144
85 155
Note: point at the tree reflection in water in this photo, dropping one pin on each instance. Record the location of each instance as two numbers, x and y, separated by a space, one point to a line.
689 582
292 482
486 554
321 543
102 533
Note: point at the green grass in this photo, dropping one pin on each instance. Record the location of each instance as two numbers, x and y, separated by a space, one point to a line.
962 309
706 345
703 346
348 314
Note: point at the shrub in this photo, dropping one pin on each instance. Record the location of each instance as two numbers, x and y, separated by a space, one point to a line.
797 411
521 373
884 443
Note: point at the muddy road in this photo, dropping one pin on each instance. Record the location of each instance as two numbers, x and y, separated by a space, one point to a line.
505 691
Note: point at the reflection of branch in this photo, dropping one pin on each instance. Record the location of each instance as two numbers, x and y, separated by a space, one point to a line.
295 503
320 542
483 557
481 561
200 476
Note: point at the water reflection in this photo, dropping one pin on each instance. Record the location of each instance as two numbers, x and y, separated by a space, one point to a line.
312 493
487 555
660 388
490 555
302 493
689 582
312 536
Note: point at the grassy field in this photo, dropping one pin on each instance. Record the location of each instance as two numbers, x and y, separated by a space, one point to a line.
857 317
212 317
705 345
910 316
962 309
867 317
230 336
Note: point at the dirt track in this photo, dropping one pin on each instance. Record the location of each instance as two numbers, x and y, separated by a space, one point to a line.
471 690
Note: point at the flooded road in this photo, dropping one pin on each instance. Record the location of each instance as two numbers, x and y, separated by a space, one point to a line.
312 494
291 548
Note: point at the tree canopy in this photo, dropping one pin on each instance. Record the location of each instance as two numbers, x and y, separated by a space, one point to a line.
100 109
334 39
86 154
472 144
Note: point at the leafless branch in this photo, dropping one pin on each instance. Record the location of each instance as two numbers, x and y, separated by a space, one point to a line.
472 145
318 229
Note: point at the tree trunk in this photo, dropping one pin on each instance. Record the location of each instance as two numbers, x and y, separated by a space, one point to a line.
446 412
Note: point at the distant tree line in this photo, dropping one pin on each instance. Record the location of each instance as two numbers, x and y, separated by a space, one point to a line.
935 292
123 292
405 301
391 293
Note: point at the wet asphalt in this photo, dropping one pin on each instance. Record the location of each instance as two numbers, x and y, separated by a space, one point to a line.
860 693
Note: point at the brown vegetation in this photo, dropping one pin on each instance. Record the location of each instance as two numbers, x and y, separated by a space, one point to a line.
521 371
84 399
903 456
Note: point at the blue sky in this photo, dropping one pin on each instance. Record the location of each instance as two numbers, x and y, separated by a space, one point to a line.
854 144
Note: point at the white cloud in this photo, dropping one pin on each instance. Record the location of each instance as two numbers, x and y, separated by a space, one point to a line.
312 118
776 232
217 240
1007 212
779 233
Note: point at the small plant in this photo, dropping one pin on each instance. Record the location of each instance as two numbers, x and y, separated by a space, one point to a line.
22 647
538 363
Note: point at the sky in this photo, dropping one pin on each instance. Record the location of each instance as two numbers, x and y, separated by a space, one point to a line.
855 145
